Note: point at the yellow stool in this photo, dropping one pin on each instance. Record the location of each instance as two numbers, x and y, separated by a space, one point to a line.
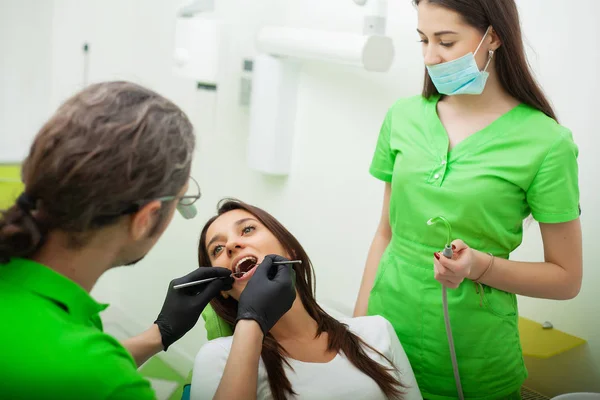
10 184
545 343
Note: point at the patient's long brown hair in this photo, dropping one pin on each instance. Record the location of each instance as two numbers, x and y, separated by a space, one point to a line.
339 337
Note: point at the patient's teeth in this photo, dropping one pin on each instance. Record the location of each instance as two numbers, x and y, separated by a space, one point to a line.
240 262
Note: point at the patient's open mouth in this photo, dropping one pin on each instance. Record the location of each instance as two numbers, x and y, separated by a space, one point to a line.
244 265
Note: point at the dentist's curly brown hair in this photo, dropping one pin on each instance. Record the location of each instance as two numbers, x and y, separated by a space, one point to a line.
107 147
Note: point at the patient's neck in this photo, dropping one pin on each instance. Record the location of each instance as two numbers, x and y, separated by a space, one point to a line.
295 324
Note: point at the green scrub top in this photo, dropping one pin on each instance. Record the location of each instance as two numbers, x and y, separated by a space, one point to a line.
522 163
53 346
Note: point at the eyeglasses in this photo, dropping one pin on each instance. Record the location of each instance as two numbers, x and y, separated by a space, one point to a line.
185 203
189 198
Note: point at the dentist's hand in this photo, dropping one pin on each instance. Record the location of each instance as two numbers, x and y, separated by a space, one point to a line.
451 272
269 293
182 307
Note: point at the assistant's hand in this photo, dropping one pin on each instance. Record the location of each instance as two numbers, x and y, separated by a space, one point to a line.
451 272
269 294
183 307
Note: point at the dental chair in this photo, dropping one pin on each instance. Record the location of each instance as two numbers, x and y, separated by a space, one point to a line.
215 326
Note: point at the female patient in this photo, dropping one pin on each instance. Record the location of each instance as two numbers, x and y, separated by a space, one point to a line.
307 354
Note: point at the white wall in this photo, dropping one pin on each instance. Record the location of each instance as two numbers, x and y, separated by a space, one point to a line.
25 54
561 53
329 201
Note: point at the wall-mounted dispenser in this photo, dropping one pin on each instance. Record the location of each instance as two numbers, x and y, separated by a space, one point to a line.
199 40
277 70
375 16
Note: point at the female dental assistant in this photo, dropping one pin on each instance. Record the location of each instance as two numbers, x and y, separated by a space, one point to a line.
102 182
481 147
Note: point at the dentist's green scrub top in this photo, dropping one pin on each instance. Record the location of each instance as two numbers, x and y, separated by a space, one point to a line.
53 347
522 163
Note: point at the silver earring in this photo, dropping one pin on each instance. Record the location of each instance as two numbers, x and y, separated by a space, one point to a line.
490 55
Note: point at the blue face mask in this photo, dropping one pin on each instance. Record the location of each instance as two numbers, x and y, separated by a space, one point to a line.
460 76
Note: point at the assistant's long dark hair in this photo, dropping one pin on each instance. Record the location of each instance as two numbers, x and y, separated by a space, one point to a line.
510 60
339 337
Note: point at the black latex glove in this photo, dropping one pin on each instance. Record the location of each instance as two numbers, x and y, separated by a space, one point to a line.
182 307
269 294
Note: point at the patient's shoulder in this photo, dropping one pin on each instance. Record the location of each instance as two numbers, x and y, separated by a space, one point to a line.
214 350
369 325
209 367
375 330
379 334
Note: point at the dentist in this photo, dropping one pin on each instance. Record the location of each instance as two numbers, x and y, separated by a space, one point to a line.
481 146
103 179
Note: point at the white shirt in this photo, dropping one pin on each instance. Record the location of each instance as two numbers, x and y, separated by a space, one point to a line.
337 379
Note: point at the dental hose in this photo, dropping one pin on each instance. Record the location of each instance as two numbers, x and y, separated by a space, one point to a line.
447 252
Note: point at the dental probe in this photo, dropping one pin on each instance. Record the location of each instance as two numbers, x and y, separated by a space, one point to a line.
194 283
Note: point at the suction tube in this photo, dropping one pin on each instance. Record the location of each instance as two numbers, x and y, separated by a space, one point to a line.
448 254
